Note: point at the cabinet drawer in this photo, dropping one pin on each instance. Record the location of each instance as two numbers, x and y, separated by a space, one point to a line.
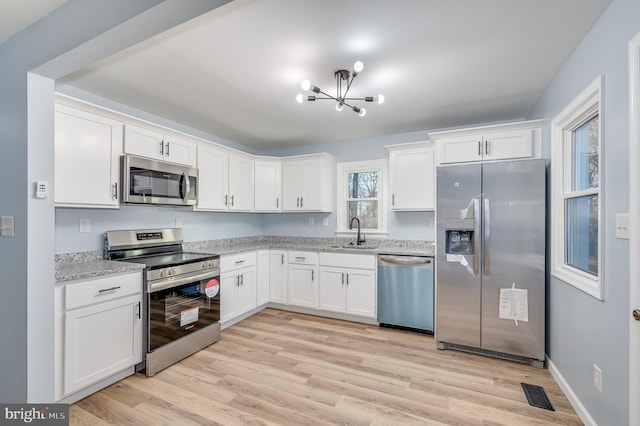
102 290
303 257
341 260
236 261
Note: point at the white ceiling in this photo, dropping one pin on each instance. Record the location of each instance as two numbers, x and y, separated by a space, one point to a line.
16 15
235 71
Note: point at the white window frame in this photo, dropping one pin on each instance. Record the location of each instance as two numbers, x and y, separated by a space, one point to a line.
343 178
581 109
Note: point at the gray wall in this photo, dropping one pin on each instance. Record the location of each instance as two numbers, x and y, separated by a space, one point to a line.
584 331
26 132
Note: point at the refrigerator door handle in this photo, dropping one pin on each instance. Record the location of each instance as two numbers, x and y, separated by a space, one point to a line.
476 236
487 235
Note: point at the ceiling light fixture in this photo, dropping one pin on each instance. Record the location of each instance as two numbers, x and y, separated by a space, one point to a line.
344 78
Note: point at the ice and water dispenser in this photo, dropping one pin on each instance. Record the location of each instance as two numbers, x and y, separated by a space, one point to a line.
459 236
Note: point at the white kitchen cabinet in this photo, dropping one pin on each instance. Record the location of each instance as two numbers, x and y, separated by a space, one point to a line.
278 267
262 277
307 183
347 284
101 334
302 279
237 285
225 180
412 176
520 140
159 146
87 159
268 185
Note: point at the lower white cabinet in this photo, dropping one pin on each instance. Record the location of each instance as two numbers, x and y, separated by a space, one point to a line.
237 285
262 277
347 284
278 267
303 278
101 334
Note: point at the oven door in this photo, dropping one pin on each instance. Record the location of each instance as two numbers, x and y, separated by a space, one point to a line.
178 311
155 182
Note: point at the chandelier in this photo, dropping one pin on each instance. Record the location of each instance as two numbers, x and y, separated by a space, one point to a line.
344 79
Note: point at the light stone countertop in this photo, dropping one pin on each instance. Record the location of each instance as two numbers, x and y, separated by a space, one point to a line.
87 265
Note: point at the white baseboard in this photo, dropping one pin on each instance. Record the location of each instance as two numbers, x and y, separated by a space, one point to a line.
581 411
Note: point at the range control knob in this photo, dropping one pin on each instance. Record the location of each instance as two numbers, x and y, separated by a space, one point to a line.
163 273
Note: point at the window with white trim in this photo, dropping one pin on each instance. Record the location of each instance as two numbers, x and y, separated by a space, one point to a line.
576 179
361 190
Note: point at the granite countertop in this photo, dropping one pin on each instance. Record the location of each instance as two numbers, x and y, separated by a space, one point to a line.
87 265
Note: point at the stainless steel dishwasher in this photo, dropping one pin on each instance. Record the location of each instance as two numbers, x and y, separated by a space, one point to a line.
405 291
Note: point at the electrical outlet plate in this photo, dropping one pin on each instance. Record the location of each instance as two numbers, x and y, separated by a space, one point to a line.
7 226
85 225
42 189
178 222
312 221
597 378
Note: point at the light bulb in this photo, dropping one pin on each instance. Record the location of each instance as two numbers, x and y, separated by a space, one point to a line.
362 112
299 98
306 84
380 99
339 106
358 66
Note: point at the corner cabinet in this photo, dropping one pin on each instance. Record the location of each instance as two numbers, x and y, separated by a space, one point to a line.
519 140
98 331
307 183
268 185
158 146
87 159
347 284
412 170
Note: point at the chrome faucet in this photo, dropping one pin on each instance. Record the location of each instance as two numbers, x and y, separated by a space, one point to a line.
358 239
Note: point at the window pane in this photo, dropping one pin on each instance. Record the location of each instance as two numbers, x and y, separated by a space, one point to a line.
581 227
363 185
585 151
366 211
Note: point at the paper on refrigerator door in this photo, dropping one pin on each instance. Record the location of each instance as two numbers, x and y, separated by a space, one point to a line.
514 304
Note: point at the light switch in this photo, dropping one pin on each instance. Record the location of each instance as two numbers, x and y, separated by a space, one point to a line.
85 225
325 221
622 226
7 226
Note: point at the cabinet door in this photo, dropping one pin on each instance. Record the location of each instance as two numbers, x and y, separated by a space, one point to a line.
331 289
240 183
246 290
504 145
101 340
179 151
212 178
262 277
268 181
143 142
229 283
412 179
278 276
87 159
302 286
460 149
361 292
291 186
311 181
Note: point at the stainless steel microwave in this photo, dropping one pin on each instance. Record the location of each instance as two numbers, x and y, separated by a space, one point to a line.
146 181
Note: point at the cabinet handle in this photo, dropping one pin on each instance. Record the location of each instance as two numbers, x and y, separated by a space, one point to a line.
300 258
241 279
167 153
343 278
300 201
139 310
162 148
237 280
347 278
238 262
486 147
393 199
479 148
282 259
226 198
115 191
232 200
104 290
277 203
312 275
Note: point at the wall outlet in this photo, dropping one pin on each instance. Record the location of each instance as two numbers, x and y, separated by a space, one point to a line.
312 221
597 378
85 225
178 222
325 221
7 226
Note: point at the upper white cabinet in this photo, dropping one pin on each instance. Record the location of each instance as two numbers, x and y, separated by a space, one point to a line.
268 185
87 159
152 144
225 179
489 143
307 183
412 176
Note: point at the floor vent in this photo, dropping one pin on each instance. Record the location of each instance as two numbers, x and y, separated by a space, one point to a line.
536 396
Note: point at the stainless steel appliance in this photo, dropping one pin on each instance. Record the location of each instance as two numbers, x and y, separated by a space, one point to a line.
182 293
490 274
405 291
146 181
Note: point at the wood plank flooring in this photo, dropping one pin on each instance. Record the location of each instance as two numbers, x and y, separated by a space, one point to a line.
285 368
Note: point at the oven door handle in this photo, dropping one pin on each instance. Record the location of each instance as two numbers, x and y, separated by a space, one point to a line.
170 282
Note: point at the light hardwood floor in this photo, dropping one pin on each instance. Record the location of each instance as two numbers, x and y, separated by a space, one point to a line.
285 368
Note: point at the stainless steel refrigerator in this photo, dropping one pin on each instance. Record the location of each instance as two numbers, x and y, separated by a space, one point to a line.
490 259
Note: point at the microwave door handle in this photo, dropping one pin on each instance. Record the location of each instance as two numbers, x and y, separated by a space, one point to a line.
185 187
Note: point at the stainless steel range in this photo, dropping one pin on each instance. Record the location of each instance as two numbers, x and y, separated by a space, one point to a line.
182 293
